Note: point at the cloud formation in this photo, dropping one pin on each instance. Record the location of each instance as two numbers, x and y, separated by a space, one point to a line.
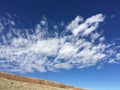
32 49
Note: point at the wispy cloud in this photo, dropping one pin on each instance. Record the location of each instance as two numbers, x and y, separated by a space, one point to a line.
80 45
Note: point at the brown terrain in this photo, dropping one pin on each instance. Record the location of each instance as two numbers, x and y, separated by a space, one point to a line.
14 82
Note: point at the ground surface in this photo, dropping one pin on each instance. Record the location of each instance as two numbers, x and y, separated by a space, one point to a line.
13 82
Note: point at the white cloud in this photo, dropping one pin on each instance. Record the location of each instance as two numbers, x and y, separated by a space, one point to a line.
40 51
67 51
43 22
118 56
75 23
1 27
95 36
87 27
112 16
116 59
45 47
102 39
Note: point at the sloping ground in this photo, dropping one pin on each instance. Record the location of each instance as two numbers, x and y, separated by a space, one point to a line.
14 82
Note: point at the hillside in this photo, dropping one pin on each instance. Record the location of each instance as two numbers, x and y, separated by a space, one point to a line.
14 82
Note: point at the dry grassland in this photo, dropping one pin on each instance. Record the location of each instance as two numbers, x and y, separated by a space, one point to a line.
14 82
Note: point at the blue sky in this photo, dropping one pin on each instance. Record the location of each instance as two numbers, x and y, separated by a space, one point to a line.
76 42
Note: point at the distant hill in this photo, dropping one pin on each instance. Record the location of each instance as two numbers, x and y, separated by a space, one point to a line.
14 82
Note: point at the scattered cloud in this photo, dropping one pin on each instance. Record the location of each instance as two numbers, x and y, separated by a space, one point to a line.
116 59
112 16
80 45
118 56
87 27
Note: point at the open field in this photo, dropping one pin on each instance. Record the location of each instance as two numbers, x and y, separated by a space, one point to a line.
14 82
